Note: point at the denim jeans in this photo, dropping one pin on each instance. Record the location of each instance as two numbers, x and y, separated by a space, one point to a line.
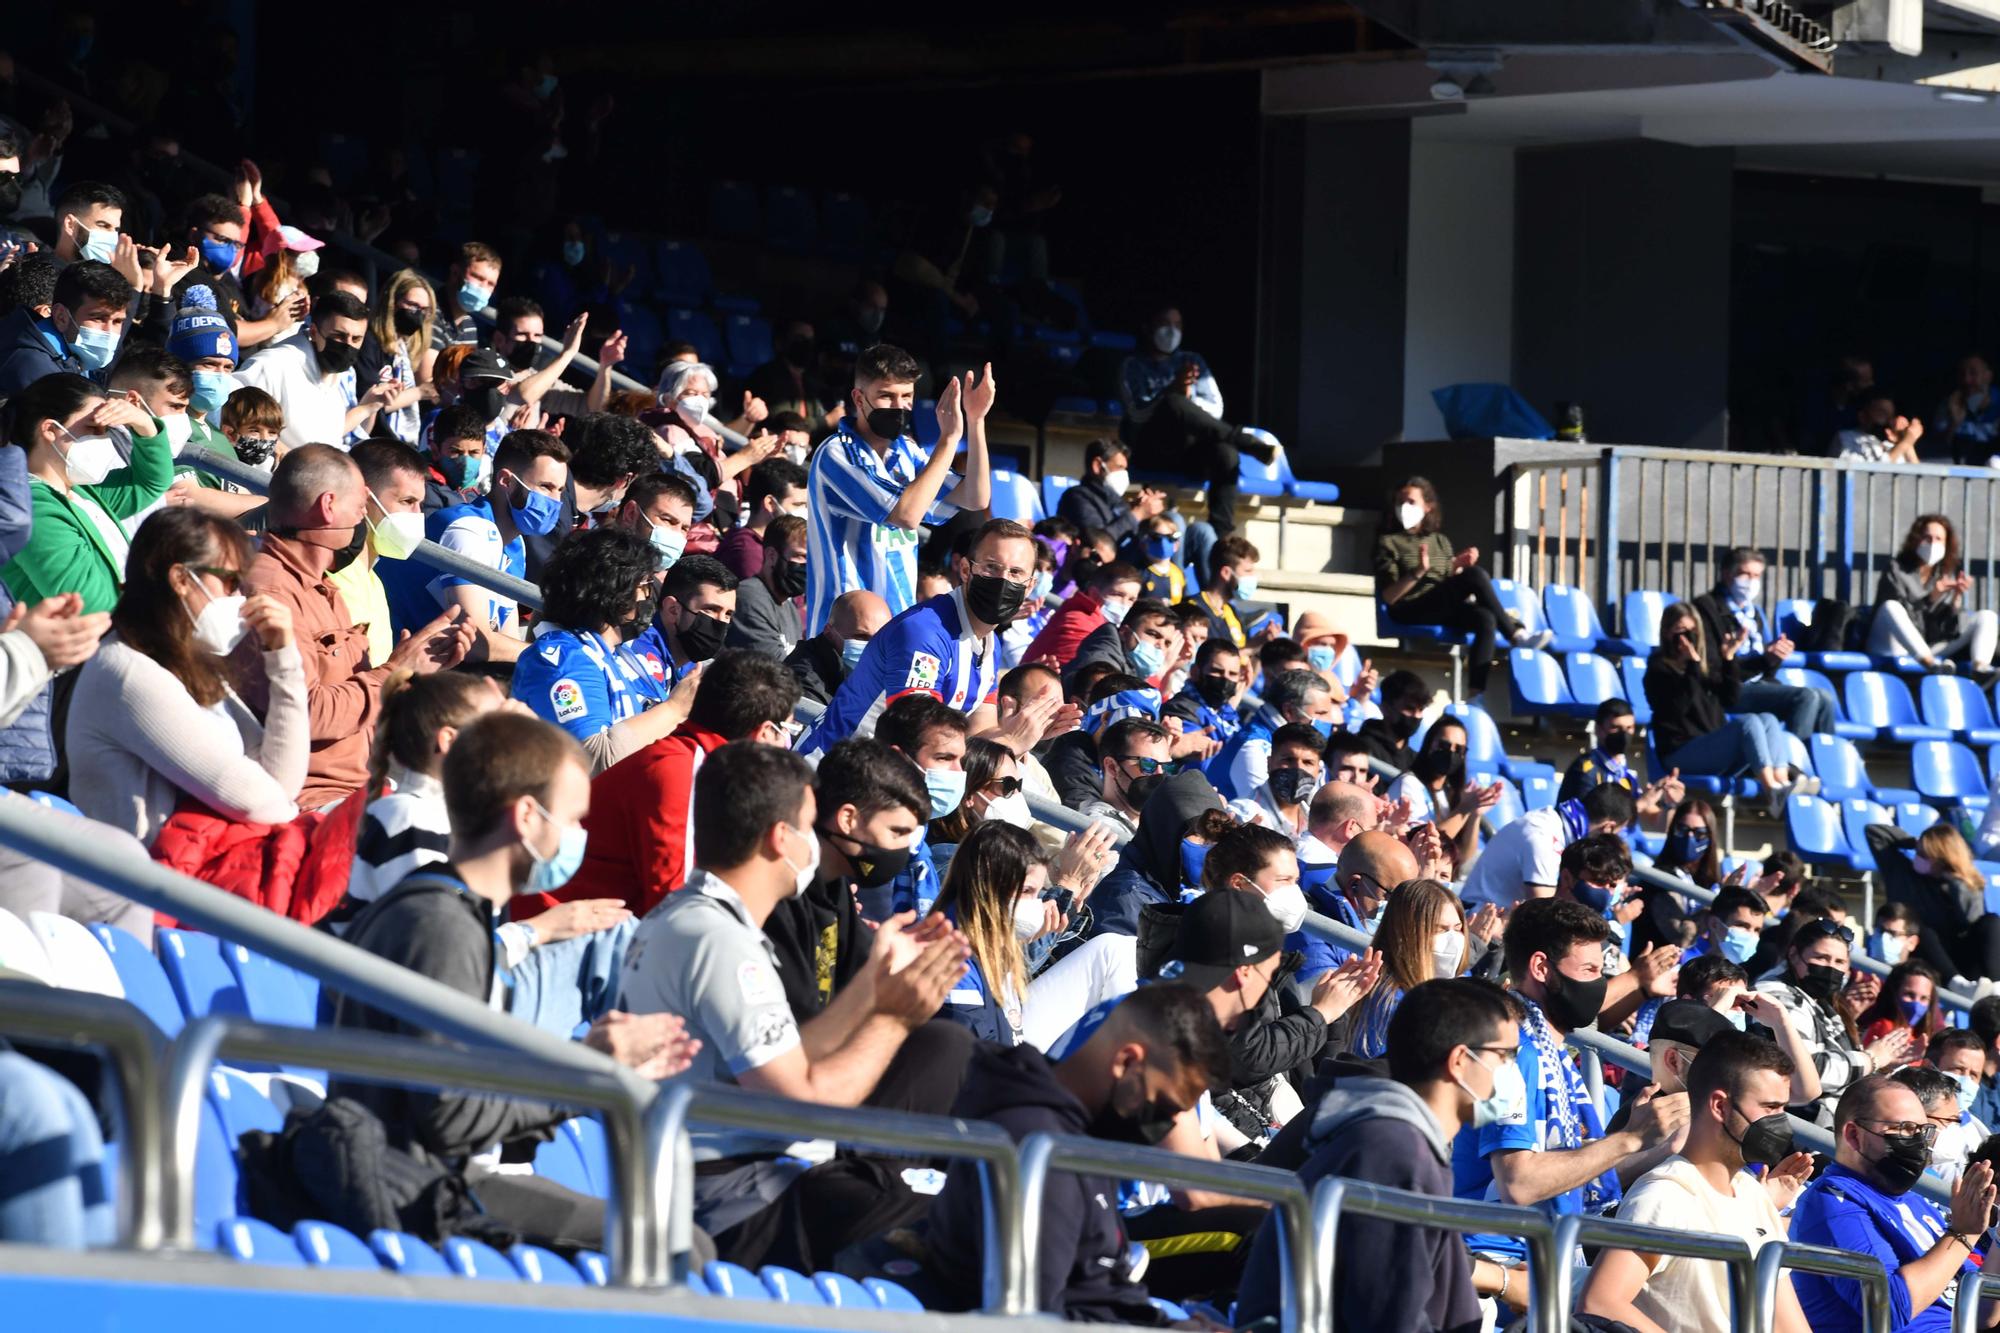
1802 709
1753 741
571 983
52 1171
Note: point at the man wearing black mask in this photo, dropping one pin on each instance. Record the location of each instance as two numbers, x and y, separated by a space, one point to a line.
767 607
1553 1152
1150 1061
1404 698
697 602
311 374
1292 777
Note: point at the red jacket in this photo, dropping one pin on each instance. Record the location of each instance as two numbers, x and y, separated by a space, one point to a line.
1071 624
639 848
299 870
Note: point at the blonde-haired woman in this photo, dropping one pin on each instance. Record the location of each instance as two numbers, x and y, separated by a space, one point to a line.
1691 687
1422 937
400 334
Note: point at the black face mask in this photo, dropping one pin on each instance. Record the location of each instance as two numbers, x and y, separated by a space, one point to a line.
351 552
337 358
1215 691
888 423
873 866
484 400
1615 743
1573 1004
701 637
1402 726
1140 790
522 354
1766 1141
790 577
1152 1122
1290 785
10 192
993 599
406 322
1822 982
1902 1165
1435 764
799 351
642 612
256 452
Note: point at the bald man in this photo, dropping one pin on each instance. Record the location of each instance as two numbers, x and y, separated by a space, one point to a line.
1340 812
822 662
317 507
1371 863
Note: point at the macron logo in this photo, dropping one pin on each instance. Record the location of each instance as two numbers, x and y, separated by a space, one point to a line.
1249 950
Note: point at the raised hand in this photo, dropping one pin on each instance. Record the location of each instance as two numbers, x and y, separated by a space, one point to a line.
1341 989
978 395
1788 1179
573 335
949 416
1084 859
57 626
270 620
1485 923
650 1045
612 351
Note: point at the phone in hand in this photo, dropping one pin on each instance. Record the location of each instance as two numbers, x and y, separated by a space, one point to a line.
1064 899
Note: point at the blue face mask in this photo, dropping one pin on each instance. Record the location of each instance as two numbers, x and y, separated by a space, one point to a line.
1968 1090
946 788
1375 918
1146 659
1160 546
465 472
1323 725
1045 583
95 347
1685 846
1193 856
220 256
211 390
1738 944
537 514
572 253
850 652
472 298
100 245
1320 657
1738 1020
1914 1011
1246 586
1594 896
556 871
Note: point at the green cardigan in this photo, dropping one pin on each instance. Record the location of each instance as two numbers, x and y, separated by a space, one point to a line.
67 553
1396 560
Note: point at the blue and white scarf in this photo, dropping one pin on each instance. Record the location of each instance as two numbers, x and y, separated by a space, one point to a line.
1573 1120
1575 822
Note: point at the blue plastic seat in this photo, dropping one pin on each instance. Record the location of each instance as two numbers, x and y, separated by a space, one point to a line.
1947 771
1315 492
1569 613
242 1105
790 1287
1538 793
1632 673
1484 751
1913 817
748 340
1958 705
791 222
273 993
476 1259
843 226
890 1296
403 1253
697 329
1053 485
1521 603
1883 702
1261 479
1814 828
1811 679
683 277
201 980
324 1245
1536 681
1387 628
924 422
1593 679
1507 809
1016 497
1795 617
145 981
247 1240
216 1180
1843 776
733 213
560 1160
735 1282
1856 814
1640 613
595 1269
543 1268
843 1292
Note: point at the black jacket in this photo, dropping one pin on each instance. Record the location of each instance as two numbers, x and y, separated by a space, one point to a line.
1149 869
1072 766
1385 745
1716 620
1092 505
25 356
1082 1239
430 924
1687 704
817 664
821 944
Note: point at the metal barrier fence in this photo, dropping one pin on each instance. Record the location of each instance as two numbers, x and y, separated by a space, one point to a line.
1965 1300
1749 1306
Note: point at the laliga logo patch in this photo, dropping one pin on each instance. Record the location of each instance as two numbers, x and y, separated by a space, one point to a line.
567 697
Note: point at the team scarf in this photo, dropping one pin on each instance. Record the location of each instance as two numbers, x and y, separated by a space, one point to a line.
1573 1120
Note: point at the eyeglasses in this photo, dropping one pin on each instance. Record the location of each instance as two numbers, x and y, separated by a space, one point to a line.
1922 1129
1448 748
1511 1052
1822 929
231 579
992 569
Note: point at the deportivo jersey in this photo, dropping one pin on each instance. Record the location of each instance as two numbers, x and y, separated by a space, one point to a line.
925 650
469 530
850 490
575 680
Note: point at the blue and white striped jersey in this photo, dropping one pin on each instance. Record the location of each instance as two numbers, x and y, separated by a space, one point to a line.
850 490
925 650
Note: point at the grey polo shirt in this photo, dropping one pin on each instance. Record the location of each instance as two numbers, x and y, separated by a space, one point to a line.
699 955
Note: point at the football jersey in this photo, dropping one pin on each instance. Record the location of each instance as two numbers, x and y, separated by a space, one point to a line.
925 650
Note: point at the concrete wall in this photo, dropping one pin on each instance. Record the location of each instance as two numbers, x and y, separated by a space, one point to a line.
1459 314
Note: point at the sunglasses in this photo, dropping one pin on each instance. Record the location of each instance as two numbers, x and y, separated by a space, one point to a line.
1005 786
1823 929
1146 766
231 579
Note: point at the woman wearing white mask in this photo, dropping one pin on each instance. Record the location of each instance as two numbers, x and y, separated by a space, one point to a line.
1422 937
1920 608
686 397
159 720
79 489
994 895
992 792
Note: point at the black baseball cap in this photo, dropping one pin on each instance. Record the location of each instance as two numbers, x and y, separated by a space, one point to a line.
1221 931
483 363
1689 1022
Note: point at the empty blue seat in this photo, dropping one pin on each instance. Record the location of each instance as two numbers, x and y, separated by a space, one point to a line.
1632 673
1814 828
403 1253
1053 485
324 1245
682 273
1883 702
1947 771
476 1259
560 1160
594 1268
748 340
145 981
544 1268
843 226
1015 497
735 1282
201 980
1537 683
250 1241
1314 492
843 1292
890 1296
791 222
1570 614
1843 776
790 1286
1484 750
696 328
1956 704
1913 817
1808 678
1593 679
1538 793
1640 612
733 213
1856 814
1521 603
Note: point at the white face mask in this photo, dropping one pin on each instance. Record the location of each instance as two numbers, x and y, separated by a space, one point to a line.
1409 515
808 872
219 627
1117 481
1114 610
305 263
397 536
179 430
1010 810
1447 952
1930 552
1029 918
1287 903
1747 589
1167 338
88 459
695 406
1507 1100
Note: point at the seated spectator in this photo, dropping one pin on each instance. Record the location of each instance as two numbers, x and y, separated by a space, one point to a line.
789 381
1524 859
1958 1134
1736 1090
825 661
1405 697
1691 686
1984 1022
1422 936
59 1193
686 394
1290 781
1163 858
1146 644
1436 792
1731 926
1935 875
1073 759
398 349
393 474
1554 1153
1865 1204
530 470
582 673
1097 501
511 784
1300 697
1340 811
80 493
1173 419
1967 422
871 486
1955 1053
1155 551
1150 1061
459 463
537 379
1610 759
1878 434
157 719
79 335
1422 581
767 618
318 507
640 807
993 894
704 954
1207 703
775 487
311 375
1447 1040
1896 934
1107 595
1357 893
1920 606
1735 606
1809 991
932 736
88 217
1132 756
697 603
1231 579
607 454
1347 757
469 286
991 790
659 506
1906 1002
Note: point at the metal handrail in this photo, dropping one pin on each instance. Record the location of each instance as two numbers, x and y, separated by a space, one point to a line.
1333 1197
1008 1278
1867 1270
1748 1310
1965 1301
133 1047
1304 1308
637 1251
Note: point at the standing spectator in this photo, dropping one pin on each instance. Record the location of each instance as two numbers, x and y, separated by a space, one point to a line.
1691 688
1935 877
825 661
1865 1204
311 374
1230 581
1736 1091
1422 581
317 507
1878 434
1736 603
1809 991
471 282
79 335
1920 604
871 487
1524 859
1097 501
767 605
1173 417
776 487
291 258
1968 420
214 228
789 381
